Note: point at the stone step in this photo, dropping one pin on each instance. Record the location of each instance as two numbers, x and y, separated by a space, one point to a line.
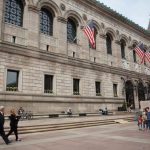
63 126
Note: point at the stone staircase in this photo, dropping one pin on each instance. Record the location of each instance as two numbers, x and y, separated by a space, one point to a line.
34 128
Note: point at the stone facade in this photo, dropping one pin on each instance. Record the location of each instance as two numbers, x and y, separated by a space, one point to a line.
30 56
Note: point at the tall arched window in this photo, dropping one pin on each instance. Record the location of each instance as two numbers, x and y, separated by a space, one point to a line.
71 31
46 22
14 12
122 46
134 54
95 35
109 43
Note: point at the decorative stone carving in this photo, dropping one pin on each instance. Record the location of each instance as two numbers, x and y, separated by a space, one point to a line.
61 19
117 42
103 36
117 32
130 46
33 8
129 38
102 25
81 27
125 64
84 17
63 7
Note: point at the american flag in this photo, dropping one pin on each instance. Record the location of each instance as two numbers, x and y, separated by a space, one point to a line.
140 50
147 55
89 32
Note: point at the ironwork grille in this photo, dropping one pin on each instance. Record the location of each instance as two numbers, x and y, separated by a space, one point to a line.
48 84
71 31
46 22
14 12
108 44
122 49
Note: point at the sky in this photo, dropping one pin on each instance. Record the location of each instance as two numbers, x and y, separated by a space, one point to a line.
136 10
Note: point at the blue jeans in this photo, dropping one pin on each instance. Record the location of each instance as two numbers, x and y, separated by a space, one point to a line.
140 126
148 124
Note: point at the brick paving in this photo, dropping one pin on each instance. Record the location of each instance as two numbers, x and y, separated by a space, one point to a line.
109 137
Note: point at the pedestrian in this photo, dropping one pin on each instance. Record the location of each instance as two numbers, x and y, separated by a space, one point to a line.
2 120
14 124
148 117
145 123
140 122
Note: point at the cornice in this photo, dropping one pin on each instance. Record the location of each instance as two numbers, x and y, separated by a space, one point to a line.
64 59
113 14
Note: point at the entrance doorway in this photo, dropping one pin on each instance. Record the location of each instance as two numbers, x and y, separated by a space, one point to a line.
129 94
141 92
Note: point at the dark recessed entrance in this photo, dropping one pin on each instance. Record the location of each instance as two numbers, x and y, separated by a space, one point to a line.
129 94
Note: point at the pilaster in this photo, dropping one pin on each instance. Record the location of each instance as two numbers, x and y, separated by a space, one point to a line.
33 27
103 49
62 39
1 18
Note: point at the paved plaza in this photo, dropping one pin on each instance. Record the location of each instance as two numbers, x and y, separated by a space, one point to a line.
124 136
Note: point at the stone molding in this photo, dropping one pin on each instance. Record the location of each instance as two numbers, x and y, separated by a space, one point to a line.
33 8
62 20
118 42
103 36
14 96
64 59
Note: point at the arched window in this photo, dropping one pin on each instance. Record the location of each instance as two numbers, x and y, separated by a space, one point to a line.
46 22
134 54
95 35
71 31
14 12
122 46
109 43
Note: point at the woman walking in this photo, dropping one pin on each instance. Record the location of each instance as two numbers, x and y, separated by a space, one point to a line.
14 124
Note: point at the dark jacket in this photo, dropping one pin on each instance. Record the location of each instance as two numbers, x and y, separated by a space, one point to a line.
1 121
14 120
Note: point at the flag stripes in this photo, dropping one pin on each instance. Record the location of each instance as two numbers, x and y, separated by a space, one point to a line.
140 51
147 55
89 32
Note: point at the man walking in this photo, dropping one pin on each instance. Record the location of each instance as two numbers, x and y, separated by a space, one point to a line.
2 120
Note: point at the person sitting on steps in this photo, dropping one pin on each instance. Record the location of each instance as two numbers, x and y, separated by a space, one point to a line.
104 112
69 111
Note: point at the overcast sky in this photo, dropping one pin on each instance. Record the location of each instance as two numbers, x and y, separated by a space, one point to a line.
136 10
